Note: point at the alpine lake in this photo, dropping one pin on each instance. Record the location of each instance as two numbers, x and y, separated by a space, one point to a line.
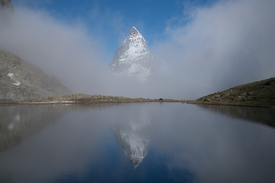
136 142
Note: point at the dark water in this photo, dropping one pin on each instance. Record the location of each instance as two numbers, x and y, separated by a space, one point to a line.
149 142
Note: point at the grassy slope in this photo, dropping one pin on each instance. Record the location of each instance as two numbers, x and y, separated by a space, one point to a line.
260 93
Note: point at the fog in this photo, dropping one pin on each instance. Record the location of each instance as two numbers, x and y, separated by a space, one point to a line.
219 46
225 45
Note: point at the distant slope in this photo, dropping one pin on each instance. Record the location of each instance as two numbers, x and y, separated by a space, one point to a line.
260 93
20 80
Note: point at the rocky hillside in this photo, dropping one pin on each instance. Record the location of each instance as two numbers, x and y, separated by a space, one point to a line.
260 93
20 80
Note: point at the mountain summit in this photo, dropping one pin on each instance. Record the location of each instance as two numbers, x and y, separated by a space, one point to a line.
134 31
6 4
133 56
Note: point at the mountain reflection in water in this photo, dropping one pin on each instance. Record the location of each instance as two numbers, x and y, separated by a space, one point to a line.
168 142
20 122
134 138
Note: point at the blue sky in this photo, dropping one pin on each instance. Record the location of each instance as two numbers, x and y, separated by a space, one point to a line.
111 20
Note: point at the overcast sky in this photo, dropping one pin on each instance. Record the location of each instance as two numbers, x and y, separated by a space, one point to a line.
206 46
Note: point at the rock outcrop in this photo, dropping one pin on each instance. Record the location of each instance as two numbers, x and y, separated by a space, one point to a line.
20 80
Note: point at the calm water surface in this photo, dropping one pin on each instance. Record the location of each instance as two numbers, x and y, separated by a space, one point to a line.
148 142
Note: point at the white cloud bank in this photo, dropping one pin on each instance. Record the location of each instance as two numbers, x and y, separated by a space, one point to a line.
229 43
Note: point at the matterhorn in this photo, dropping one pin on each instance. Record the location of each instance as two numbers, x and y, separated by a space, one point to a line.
134 138
133 57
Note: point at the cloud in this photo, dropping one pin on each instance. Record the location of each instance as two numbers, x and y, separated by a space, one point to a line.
213 48
53 46
223 45
68 52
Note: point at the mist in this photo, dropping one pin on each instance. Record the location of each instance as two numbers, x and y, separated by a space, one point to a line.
227 44
220 46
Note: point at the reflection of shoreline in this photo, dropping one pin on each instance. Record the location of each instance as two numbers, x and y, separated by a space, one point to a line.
265 116
134 140
17 123
20 122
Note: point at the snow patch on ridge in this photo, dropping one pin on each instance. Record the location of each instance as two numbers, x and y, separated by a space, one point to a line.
11 75
17 83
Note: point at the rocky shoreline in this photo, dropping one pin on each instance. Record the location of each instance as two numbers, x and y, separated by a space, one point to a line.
84 99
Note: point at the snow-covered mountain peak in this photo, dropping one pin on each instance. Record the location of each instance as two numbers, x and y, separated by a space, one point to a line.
134 139
133 56
134 31
136 39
